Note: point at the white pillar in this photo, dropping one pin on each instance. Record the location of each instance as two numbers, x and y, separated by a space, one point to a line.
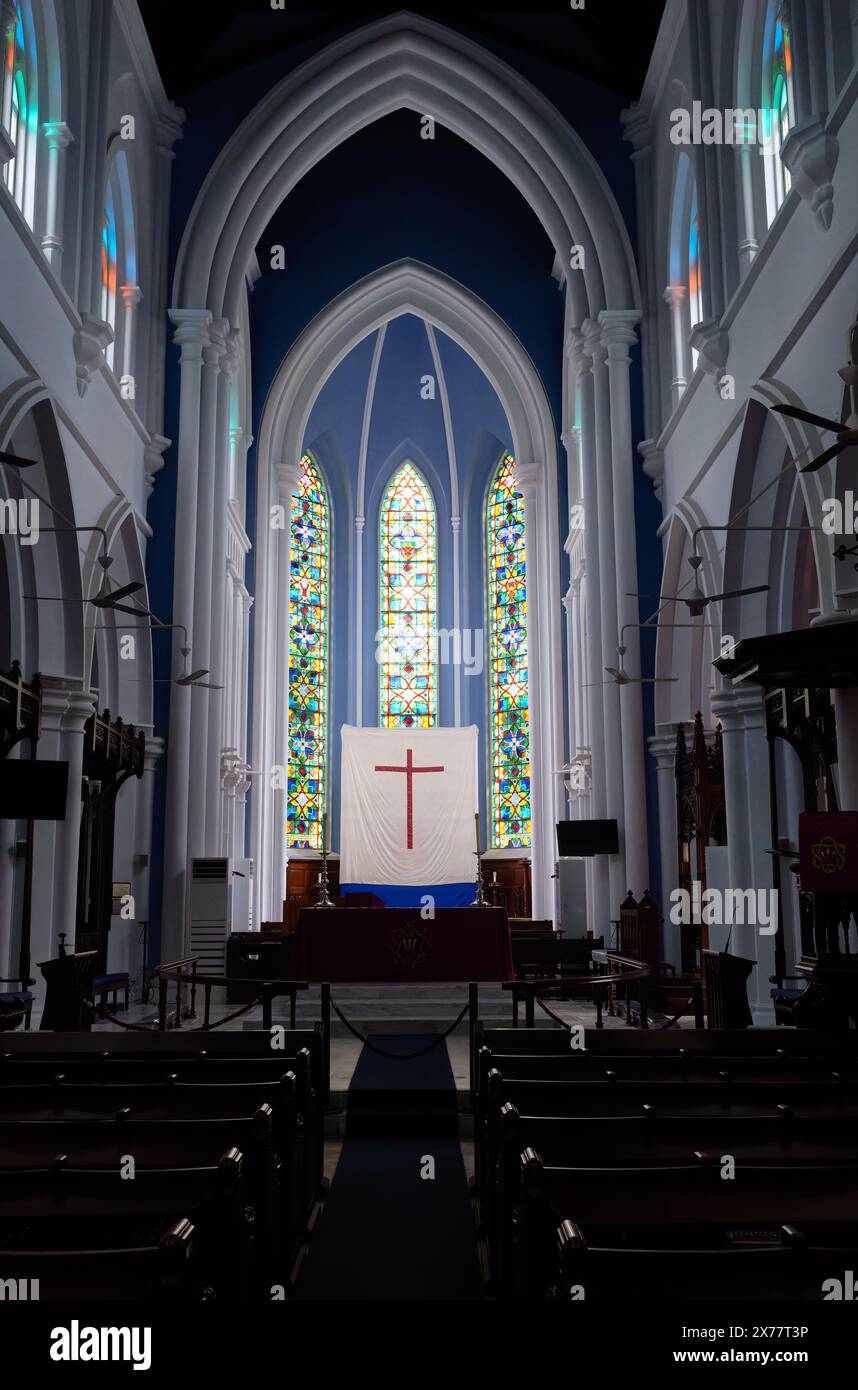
674 297
749 245
223 454
600 908
213 431
192 326
58 137
357 693
458 667
663 749
131 296
618 334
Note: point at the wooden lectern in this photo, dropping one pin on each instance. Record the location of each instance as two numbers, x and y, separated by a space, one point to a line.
725 978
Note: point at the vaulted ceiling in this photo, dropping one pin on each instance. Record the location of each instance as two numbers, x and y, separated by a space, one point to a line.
203 39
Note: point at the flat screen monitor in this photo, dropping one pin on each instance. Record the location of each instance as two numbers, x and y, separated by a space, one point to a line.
576 838
33 790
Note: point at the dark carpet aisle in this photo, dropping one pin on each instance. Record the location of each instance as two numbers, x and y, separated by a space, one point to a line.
386 1232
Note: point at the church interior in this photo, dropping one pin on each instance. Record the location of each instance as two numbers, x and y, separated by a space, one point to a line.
428 655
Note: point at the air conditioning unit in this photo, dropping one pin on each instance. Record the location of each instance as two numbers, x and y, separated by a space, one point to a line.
211 913
242 895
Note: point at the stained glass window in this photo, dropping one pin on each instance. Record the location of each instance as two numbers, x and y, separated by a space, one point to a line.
695 296
777 105
408 564
109 270
308 659
507 623
14 171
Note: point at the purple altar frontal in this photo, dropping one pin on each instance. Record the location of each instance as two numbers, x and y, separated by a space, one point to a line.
395 945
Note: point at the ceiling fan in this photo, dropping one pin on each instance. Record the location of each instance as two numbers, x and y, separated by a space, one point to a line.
106 597
696 601
620 676
15 461
847 433
194 678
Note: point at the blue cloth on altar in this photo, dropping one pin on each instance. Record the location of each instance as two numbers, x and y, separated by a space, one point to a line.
407 895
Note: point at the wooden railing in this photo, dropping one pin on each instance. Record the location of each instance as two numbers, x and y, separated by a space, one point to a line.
185 976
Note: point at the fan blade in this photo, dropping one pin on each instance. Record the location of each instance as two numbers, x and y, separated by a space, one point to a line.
657 680
664 598
191 678
612 671
206 685
824 458
796 413
740 593
15 462
110 600
135 612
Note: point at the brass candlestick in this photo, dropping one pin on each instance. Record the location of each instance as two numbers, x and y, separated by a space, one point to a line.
324 895
480 899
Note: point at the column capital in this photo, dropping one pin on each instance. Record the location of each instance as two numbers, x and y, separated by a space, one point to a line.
131 295
663 749
288 477
360 523
153 752
192 331
653 464
571 438
576 351
153 457
737 709
455 524
674 294
526 476
618 332
594 347
58 136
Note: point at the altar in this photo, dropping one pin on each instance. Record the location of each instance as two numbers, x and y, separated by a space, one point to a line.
399 946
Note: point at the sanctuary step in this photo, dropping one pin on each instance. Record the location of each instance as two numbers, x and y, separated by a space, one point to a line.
403 1008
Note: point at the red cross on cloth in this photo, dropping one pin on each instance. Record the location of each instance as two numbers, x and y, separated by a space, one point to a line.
410 770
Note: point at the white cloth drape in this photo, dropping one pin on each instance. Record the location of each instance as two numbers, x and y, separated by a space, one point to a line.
430 796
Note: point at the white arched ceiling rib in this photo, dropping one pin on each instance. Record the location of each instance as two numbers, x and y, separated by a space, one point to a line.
372 381
404 61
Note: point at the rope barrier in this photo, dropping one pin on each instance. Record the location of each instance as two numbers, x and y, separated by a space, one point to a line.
141 1028
557 1019
399 1056
111 1018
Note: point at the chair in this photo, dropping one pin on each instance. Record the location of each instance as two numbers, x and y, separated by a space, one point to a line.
15 1004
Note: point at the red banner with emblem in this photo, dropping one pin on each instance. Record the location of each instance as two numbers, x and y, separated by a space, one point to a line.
828 851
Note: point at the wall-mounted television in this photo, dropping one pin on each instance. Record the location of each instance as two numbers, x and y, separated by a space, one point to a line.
576 838
33 789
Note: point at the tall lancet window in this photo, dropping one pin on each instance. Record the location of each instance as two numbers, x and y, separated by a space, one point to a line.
309 631
777 103
20 114
109 271
509 717
408 588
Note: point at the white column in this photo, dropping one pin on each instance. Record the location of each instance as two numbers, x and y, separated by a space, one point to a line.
229 363
746 790
663 749
131 296
674 297
168 131
749 245
618 334
600 907
458 668
58 137
191 335
214 428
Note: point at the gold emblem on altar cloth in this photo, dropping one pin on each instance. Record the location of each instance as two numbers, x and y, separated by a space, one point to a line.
410 945
828 855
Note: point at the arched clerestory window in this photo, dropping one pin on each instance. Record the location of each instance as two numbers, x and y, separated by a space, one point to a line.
408 603
509 713
21 106
119 290
684 292
777 103
309 642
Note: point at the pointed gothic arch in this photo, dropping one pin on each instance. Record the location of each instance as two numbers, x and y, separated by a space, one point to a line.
402 288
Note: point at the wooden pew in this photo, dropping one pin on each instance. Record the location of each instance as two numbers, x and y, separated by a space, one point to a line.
63 1207
622 1140
274 1183
648 1207
725 1042
164 1270
792 1268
